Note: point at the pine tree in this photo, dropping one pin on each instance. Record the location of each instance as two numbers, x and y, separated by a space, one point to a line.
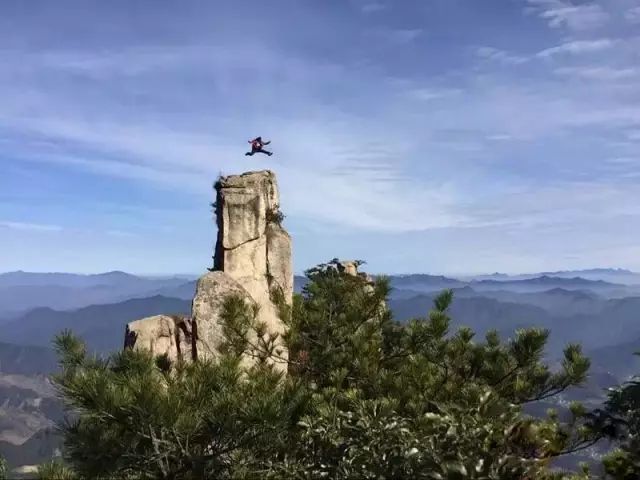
140 417
393 401
365 397
3 468
55 470
620 421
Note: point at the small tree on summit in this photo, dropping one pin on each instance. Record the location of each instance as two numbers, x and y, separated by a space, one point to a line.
365 397
275 216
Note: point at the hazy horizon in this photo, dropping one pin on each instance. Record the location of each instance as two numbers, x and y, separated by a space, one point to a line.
300 273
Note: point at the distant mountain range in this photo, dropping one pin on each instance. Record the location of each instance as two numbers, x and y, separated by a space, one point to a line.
593 322
568 305
571 315
546 281
613 275
423 283
533 284
557 301
23 291
101 326
74 280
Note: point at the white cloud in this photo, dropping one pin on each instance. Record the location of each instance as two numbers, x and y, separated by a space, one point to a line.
578 47
393 36
30 227
561 14
328 165
633 15
500 56
427 94
353 151
404 35
121 234
633 135
571 203
373 7
499 137
624 161
333 185
343 178
599 72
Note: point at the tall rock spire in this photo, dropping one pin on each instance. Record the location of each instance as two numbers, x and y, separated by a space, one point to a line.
252 247
252 259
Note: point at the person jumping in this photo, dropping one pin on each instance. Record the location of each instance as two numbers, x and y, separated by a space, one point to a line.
257 146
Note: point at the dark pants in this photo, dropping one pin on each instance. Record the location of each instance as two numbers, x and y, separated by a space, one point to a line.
257 150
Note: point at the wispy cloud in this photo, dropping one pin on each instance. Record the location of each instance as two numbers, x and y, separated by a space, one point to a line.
574 202
578 47
564 14
633 15
573 48
30 227
373 7
399 36
427 94
331 195
495 54
633 135
502 142
121 234
625 160
499 137
599 73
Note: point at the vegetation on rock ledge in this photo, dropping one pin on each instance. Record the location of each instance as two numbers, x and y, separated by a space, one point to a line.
275 216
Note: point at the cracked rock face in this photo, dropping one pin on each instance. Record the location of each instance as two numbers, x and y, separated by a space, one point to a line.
252 248
206 310
252 257
169 335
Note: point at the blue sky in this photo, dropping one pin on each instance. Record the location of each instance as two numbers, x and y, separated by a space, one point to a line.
448 136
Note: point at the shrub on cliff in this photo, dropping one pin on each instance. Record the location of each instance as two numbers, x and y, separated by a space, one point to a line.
365 397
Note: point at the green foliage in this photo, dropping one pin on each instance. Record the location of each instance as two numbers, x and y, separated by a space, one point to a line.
3 469
412 401
136 420
218 183
55 469
365 397
620 421
275 216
